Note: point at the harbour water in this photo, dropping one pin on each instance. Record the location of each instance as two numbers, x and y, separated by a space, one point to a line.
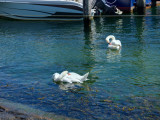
122 84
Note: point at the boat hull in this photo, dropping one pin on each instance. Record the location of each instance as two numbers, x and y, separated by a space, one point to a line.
42 10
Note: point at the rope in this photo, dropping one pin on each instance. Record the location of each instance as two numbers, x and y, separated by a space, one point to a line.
111 2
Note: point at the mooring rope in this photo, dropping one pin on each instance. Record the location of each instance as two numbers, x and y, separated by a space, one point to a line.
111 2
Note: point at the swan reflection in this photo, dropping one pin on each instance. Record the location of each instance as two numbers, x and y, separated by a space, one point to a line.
113 55
69 86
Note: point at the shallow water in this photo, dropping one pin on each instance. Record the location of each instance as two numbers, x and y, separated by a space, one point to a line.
123 84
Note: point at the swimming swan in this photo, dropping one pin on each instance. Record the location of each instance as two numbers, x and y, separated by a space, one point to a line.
114 44
69 77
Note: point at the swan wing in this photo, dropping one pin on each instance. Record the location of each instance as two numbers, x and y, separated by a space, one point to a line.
113 42
79 77
66 79
71 79
118 42
115 47
74 77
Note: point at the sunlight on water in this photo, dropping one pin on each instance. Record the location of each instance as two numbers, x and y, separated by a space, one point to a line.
123 84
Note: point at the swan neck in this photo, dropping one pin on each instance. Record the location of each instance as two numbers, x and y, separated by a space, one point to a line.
110 37
62 74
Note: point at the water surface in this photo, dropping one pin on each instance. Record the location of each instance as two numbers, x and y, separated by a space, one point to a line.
123 84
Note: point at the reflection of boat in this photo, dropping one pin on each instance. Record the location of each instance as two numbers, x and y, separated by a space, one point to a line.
41 9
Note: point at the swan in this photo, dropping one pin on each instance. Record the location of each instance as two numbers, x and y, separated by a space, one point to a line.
114 44
69 77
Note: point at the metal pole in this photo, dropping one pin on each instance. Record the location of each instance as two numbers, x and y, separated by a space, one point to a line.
87 11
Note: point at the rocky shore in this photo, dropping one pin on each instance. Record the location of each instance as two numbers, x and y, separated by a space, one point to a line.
15 111
8 114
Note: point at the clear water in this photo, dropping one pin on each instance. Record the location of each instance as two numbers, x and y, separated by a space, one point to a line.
122 85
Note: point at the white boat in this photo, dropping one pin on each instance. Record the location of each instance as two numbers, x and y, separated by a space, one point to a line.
41 9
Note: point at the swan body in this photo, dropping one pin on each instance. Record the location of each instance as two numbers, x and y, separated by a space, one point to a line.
113 44
69 77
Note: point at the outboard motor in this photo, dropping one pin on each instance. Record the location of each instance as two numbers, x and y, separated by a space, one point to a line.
101 5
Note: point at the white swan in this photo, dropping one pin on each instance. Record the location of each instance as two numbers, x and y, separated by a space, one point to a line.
69 77
114 44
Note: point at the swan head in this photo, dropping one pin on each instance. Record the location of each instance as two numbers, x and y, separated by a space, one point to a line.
55 77
109 37
58 77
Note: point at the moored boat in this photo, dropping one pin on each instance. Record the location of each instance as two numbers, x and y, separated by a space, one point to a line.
41 9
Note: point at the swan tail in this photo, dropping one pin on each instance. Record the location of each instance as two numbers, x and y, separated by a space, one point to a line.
84 78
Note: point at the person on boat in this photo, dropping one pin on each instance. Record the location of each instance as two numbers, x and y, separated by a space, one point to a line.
101 5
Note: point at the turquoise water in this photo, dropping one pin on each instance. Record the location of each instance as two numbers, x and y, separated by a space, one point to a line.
123 84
